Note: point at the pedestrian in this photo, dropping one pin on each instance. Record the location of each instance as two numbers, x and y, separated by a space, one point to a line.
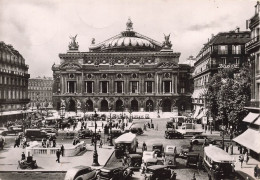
246 157
227 146
58 156
144 148
62 150
23 157
102 125
16 142
231 149
54 142
100 143
47 143
256 169
241 159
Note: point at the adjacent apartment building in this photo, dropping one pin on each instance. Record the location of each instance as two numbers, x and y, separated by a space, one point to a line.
224 50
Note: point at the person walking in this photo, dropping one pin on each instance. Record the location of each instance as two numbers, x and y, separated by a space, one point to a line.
246 157
23 157
16 142
100 143
144 147
241 159
62 150
58 156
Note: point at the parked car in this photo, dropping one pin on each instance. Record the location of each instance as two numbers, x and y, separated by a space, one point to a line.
84 172
137 130
36 134
134 161
184 151
148 155
158 172
170 156
85 133
200 139
158 149
11 130
194 159
50 131
169 134
3 130
114 173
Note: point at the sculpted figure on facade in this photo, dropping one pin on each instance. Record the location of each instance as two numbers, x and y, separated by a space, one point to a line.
167 43
93 41
78 104
73 45
63 103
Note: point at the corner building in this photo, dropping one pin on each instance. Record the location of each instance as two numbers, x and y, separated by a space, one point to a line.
128 72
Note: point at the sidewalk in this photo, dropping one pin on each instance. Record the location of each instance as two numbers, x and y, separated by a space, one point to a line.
10 156
247 170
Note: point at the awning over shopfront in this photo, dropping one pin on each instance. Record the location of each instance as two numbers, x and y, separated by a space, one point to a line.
251 117
250 139
202 113
197 110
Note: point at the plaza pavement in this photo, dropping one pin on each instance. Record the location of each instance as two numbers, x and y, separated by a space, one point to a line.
9 159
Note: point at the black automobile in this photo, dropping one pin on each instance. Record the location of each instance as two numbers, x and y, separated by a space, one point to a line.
12 130
134 161
158 148
158 172
185 149
169 134
194 159
114 173
116 133
85 133
137 130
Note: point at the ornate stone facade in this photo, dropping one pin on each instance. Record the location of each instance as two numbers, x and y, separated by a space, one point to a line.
127 72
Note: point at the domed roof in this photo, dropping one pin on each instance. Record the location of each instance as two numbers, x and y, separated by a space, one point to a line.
127 41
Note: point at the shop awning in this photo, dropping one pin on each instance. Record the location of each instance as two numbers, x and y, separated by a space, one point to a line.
197 110
250 139
257 122
251 117
202 113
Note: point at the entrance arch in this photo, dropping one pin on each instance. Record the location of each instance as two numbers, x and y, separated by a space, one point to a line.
104 105
89 105
149 106
166 106
134 105
72 105
119 104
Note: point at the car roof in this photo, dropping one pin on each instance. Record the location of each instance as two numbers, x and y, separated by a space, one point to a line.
134 155
157 144
155 167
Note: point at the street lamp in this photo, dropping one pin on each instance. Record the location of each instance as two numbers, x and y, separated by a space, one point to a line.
130 119
62 114
24 111
110 127
95 154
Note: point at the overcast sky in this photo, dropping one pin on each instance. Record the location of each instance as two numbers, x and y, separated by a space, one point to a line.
40 29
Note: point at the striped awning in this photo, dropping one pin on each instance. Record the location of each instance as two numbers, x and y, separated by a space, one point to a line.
251 117
202 113
197 110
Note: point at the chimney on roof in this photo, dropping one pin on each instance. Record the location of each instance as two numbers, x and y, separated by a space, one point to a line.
237 29
257 7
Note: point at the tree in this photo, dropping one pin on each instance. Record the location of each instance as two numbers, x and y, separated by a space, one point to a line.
228 93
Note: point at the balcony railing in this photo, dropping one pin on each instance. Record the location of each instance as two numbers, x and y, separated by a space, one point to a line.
252 41
253 104
236 51
222 52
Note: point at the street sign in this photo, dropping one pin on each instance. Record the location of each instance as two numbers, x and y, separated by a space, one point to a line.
204 120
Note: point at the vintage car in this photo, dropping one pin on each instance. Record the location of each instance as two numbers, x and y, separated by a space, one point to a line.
116 133
134 161
158 149
81 172
50 131
114 173
151 161
85 133
158 172
169 134
194 159
200 139
184 151
170 124
137 130
11 130
170 156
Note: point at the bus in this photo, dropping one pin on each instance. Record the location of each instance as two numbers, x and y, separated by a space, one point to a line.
126 143
218 163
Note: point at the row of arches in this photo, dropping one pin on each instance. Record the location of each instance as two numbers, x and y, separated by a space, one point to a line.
119 105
